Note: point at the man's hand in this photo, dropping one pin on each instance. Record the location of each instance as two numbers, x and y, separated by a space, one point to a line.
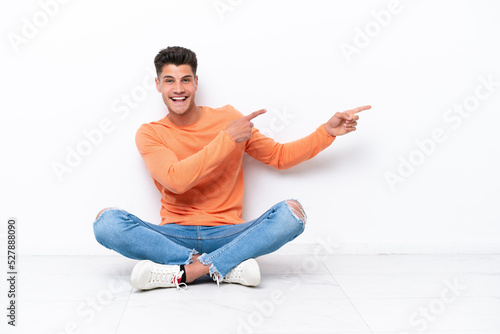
344 122
241 129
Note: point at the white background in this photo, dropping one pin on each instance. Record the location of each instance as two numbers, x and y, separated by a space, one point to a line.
73 69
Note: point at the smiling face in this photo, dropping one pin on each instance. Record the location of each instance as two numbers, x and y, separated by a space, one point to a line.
177 85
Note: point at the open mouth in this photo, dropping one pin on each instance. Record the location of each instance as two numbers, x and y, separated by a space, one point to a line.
179 98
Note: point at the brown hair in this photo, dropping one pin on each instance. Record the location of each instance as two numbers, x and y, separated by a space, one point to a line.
176 55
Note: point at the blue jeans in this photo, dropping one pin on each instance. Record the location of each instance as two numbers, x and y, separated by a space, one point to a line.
221 247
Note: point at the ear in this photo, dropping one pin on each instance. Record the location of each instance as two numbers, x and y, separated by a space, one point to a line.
195 83
157 82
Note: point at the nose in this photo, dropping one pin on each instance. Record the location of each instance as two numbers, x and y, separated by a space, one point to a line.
178 88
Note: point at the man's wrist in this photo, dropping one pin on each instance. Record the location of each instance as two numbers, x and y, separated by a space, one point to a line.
328 129
229 135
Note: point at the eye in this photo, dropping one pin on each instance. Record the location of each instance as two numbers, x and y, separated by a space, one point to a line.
186 80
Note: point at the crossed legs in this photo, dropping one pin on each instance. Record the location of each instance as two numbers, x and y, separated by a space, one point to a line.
128 235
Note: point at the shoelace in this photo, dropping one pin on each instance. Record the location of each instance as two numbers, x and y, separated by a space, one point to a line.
161 276
235 273
216 278
175 280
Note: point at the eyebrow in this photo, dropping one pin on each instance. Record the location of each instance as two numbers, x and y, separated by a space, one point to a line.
171 77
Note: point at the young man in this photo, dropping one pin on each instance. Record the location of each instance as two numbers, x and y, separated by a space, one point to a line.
194 156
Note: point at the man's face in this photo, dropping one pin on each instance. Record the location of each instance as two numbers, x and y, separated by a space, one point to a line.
177 85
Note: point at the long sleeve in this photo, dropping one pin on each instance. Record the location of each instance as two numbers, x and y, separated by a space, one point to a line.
178 176
284 156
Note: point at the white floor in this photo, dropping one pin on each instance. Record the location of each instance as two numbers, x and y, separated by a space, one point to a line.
382 294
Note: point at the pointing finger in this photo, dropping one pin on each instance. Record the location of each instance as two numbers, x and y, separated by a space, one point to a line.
255 114
358 109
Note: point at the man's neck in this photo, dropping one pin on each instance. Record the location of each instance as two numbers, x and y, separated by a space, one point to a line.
188 118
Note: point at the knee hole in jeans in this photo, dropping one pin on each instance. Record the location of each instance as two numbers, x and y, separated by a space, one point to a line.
100 212
297 210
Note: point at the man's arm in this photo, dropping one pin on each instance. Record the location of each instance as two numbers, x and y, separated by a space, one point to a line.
284 156
176 175
179 176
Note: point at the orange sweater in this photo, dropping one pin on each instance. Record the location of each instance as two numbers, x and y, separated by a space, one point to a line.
198 168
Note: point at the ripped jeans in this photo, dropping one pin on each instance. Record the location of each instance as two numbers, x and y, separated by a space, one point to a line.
222 247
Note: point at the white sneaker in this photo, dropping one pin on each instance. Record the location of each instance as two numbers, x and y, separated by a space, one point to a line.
148 275
246 273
